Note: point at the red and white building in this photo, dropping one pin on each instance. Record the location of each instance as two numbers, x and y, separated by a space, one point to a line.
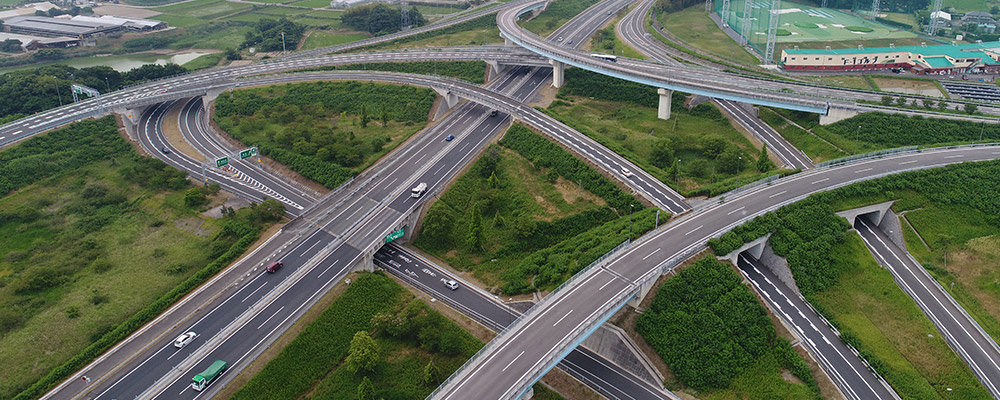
940 59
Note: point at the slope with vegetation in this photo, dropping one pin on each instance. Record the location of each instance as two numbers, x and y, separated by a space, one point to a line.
83 217
697 151
528 215
326 131
718 340
838 275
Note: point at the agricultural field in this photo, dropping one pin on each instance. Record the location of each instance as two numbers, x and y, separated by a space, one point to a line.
862 299
326 131
375 334
79 232
923 87
527 215
718 341
622 116
317 39
310 3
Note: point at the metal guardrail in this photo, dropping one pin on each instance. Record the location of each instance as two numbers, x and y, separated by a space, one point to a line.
865 156
522 318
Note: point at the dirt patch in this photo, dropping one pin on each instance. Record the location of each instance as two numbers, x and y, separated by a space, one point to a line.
172 131
233 202
121 10
572 193
909 86
272 351
545 96
193 225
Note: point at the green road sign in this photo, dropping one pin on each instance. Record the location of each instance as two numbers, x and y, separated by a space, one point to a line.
395 235
222 162
245 154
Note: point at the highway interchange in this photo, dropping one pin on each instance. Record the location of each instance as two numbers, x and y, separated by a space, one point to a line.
321 244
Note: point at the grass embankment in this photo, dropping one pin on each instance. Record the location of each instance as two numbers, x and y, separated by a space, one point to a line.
482 30
885 131
416 346
555 15
718 340
838 275
692 26
83 218
319 39
326 131
814 147
528 215
471 71
621 115
606 41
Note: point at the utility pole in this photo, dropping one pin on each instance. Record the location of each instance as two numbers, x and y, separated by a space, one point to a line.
773 14
724 15
708 6
932 27
404 15
745 25
875 9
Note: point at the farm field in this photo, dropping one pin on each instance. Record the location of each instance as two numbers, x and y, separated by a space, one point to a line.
317 39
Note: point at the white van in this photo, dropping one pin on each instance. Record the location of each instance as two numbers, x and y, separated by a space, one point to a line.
418 190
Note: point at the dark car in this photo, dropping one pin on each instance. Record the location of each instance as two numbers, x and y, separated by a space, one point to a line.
165 150
449 138
493 113
274 266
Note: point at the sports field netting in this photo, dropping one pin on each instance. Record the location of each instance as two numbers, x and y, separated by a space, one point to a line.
803 23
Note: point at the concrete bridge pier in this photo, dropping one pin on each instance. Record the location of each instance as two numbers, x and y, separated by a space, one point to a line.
211 94
643 291
558 73
450 99
130 116
834 114
663 112
495 68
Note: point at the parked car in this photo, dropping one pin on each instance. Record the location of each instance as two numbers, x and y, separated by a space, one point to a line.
184 339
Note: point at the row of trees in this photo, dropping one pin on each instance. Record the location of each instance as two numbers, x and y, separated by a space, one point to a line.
274 35
942 105
379 19
894 130
35 90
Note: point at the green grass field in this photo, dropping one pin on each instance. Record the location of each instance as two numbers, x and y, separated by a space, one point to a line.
606 41
963 6
436 10
311 3
318 39
205 61
695 28
555 15
867 302
814 147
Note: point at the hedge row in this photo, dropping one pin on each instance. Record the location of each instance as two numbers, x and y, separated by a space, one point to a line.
893 130
124 329
324 343
547 154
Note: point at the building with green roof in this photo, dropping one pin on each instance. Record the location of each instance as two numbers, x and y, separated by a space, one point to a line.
938 59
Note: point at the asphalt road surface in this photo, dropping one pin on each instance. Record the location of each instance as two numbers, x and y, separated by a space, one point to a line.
964 335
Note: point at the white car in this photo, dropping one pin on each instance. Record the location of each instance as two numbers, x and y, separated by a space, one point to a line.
451 284
184 339
627 173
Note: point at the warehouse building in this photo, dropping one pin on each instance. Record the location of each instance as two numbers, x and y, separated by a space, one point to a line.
942 59
46 26
128 24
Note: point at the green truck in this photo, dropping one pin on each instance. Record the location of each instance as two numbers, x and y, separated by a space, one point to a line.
213 371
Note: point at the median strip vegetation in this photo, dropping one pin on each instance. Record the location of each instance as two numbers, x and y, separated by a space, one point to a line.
954 209
680 152
83 219
326 131
718 340
528 215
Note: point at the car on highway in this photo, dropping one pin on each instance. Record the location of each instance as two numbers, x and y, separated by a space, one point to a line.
451 284
627 173
449 138
560 39
274 266
493 113
570 42
184 340
165 150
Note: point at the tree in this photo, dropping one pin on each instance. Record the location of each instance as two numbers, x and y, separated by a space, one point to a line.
942 105
672 172
970 108
475 237
901 101
732 160
194 197
364 116
232 54
363 353
928 103
366 390
764 163
662 153
886 100
431 373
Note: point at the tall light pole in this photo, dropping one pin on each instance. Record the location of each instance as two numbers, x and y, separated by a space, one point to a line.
856 133
738 165
676 170
282 43
630 220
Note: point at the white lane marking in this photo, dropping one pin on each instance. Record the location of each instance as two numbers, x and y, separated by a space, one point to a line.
15 133
606 284
907 162
254 291
692 231
736 210
269 318
777 194
956 156
650 254
327 269
512 361
821 180
563 317
862 170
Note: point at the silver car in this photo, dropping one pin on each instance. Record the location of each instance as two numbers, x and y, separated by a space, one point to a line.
184 339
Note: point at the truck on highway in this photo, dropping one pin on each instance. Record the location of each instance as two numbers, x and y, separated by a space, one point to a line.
418 190
201 381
